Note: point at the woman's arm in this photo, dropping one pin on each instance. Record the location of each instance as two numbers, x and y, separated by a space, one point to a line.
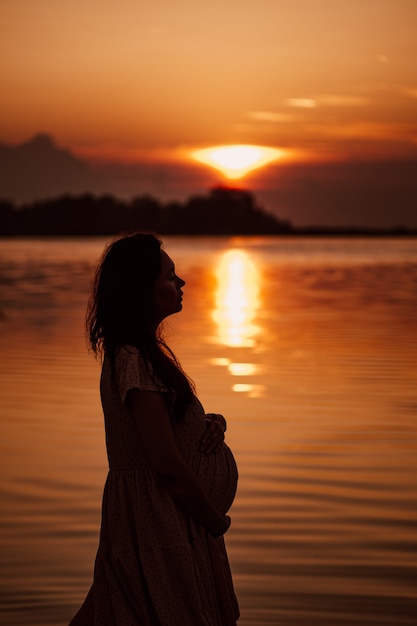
154 425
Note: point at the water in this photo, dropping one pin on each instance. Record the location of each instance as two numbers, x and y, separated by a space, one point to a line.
309 349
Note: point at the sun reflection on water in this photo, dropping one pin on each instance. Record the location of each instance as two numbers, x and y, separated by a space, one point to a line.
242 369
253 391
237 299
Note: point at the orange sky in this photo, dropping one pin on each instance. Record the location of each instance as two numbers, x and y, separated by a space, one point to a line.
323 82
331 76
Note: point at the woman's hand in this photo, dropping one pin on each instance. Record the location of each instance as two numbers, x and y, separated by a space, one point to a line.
150 412
213 438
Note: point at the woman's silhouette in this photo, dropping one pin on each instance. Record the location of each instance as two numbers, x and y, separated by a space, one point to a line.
161 559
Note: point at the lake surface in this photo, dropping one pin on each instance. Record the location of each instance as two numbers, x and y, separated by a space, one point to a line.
307 346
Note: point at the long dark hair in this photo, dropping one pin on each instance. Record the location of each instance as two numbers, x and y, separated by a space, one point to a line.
120 311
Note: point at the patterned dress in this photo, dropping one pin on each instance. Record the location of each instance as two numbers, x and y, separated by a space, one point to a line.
155 565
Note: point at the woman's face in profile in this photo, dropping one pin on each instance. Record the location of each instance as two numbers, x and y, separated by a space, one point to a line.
167 292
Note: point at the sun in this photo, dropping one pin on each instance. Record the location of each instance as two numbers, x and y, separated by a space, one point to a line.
235 161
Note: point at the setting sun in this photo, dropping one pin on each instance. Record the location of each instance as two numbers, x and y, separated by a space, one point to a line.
237 160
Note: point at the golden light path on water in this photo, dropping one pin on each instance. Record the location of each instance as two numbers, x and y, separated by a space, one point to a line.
237 302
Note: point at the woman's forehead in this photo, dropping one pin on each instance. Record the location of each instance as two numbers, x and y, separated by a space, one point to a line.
166 261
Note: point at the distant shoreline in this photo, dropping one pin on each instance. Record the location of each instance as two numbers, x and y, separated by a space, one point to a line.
296 233
221 212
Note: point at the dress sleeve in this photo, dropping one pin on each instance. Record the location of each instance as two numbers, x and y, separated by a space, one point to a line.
132 372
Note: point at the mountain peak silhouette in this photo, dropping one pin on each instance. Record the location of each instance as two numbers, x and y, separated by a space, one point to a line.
40 142
38 168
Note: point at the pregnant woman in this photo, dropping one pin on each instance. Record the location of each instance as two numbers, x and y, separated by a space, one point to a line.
161 559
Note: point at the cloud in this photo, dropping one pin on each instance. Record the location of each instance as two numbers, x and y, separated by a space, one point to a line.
368 130
269 116
342 101
301 103
334 100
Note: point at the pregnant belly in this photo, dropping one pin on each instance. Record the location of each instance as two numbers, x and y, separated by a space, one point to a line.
217 473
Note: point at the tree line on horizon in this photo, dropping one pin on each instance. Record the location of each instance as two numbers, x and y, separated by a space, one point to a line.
222 211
